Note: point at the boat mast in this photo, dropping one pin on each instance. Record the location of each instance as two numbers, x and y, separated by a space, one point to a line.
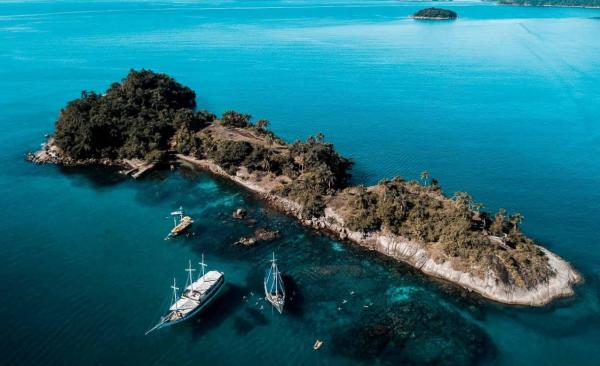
202 264
175 288
190 277
180 213
274 273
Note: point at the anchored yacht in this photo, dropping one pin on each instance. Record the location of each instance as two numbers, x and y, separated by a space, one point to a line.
274 289
195 297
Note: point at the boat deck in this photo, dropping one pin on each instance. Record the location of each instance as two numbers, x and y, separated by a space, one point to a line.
185 222
195 293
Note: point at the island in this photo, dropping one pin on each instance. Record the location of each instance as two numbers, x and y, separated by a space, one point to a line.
435 14
559 3
150 117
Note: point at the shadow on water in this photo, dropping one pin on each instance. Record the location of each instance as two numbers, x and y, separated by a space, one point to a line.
221 309
95 177
294 302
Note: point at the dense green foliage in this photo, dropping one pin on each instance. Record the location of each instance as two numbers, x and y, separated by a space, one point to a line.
230 154
317 170
314 167
456 225
235 119
575 3
130 119
435 13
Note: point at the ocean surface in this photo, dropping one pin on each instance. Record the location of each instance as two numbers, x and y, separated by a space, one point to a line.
503 103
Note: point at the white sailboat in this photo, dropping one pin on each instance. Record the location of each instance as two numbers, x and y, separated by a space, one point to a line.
274 288
196 296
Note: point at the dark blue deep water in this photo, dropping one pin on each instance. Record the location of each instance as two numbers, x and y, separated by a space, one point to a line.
503 103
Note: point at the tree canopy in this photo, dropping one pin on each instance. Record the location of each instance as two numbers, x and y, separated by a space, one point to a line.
132 118
435 13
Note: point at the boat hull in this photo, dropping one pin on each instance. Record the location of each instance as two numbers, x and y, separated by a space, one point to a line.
214 293
277 302
181 228
274 288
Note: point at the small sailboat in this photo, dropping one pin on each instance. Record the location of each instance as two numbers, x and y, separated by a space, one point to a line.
179 226
274 289
195 297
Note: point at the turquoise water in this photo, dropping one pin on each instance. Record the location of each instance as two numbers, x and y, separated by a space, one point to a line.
503 103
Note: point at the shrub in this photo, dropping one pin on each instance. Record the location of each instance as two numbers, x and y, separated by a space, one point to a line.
231 152
235 119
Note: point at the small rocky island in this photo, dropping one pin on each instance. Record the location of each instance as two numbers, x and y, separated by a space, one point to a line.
435 14
149 117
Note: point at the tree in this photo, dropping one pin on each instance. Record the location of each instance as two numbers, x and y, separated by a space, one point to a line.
132 118
516 219
320 138
425 177
498 226
462 200
262 124
231 153
235 119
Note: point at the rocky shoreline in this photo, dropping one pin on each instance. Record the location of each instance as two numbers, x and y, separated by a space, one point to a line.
51 154
408 251
415 253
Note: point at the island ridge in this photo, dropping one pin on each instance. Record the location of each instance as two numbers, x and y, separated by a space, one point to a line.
151 117
435 14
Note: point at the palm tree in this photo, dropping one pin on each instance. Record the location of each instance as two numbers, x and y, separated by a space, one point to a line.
320 138
463 199
424 177
516 219
262 124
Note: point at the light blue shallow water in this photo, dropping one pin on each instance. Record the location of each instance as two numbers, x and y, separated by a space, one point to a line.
503 103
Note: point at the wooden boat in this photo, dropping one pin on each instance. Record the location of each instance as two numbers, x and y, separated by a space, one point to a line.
274 289
180 226
317 345
196 296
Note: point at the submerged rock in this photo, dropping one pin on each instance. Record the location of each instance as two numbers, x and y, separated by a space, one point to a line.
261 234
413 332
265 234
247 241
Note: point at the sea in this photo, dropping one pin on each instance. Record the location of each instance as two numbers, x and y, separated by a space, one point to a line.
503 103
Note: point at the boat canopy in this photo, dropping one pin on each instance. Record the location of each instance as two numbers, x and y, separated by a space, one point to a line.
184 304
205 282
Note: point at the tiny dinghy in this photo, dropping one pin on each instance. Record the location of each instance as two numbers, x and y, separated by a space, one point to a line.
195 297
274 289
317 345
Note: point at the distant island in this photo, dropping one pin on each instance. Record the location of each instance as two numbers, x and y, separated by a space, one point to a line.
150 117
565 3
435 14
